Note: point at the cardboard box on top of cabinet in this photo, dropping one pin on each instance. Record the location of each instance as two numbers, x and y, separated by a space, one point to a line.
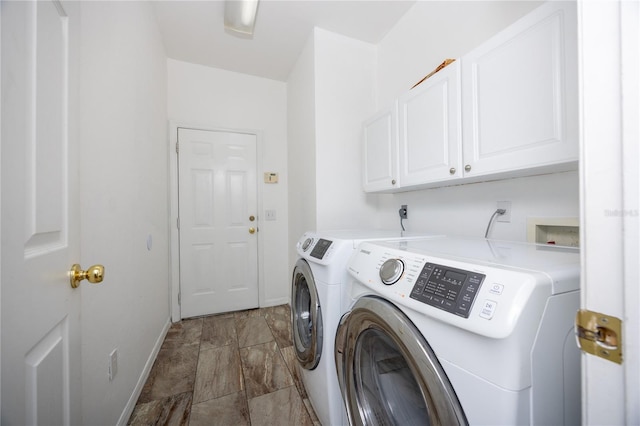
438 68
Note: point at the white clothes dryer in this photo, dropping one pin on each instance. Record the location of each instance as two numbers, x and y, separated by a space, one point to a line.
460 331
318 289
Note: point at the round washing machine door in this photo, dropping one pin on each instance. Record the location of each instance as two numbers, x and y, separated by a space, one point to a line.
388 373
306 316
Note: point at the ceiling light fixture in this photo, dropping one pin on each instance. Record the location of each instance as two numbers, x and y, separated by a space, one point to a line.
240 16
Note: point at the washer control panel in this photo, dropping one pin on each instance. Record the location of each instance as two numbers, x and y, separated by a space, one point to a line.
450 289
470 293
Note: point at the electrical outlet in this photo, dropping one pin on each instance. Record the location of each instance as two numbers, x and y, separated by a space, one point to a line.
506 217
113 364
403 211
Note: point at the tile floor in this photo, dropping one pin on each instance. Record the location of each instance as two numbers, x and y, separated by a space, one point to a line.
229 369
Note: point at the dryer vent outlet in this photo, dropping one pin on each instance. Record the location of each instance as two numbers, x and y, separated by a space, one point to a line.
403 211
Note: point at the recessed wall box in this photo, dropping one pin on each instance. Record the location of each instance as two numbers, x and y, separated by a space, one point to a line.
562 231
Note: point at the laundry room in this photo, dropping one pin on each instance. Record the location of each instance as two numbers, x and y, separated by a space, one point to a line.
139 86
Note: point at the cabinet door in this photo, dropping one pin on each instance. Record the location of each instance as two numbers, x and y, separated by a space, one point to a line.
429 129
520 95
380 139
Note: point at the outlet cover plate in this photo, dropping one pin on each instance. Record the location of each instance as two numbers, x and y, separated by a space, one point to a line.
507 216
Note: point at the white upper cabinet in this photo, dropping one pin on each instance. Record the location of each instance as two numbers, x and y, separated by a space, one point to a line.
508 108
429 129
380 138
519 95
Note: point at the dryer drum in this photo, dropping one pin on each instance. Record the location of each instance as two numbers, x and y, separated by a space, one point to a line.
306 316
388 373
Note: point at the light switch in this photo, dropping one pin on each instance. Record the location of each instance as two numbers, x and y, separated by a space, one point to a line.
270 215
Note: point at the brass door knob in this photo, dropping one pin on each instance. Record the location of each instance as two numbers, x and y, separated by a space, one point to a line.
94 274
252 230
252 218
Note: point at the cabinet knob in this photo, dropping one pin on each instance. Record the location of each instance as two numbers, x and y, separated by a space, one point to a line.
467 168
452 171
393 181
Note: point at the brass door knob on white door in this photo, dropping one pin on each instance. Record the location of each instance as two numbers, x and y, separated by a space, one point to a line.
252 230
94 274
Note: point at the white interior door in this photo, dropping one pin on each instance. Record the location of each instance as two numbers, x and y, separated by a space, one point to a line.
609 42
40 311
217 199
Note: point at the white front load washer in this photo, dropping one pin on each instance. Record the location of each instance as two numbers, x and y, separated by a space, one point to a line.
317 293
460 331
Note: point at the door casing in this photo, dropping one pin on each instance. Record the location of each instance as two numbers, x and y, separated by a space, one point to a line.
174 249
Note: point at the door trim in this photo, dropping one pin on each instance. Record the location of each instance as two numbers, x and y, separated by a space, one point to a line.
174 241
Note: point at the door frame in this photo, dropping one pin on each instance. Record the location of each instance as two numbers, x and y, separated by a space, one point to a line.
174 235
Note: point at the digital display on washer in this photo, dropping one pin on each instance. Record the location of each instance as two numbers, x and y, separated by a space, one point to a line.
321 248
450 289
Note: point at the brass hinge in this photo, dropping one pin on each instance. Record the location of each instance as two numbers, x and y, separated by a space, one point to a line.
599 335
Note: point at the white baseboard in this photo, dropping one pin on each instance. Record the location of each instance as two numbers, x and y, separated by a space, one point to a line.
131 404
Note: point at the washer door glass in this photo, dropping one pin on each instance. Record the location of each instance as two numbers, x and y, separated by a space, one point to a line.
390 393
388 373
306 316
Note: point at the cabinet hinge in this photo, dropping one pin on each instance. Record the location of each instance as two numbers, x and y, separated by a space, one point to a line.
600 335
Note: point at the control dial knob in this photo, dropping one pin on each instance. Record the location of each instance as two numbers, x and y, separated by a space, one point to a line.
391 271
306 244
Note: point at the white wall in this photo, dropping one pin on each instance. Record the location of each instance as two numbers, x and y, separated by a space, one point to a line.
330 92
215 98
345 78
422 39
466 209
123 172
432 31
301 127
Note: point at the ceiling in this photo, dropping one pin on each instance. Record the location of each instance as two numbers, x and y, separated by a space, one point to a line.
193 31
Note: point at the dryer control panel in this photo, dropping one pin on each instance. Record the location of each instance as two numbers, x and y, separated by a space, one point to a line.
450 289
320 249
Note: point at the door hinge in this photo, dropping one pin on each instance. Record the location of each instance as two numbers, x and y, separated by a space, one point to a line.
599 335
178 223
179 299
177 149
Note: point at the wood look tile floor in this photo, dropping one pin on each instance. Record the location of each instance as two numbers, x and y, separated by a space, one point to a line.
230 369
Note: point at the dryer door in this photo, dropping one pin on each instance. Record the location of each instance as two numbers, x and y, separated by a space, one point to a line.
306 315
388 373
